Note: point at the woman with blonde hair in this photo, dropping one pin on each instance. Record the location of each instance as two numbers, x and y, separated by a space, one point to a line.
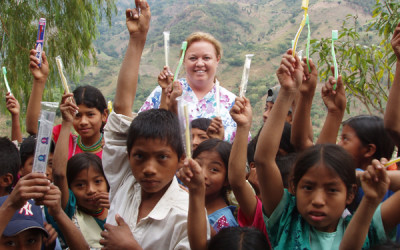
199 87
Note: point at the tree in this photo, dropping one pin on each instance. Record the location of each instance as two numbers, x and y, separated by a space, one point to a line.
71 27
366 68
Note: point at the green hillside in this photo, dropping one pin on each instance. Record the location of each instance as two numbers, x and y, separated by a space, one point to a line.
261 27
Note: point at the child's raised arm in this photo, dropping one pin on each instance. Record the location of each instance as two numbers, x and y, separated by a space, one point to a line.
290 76
165 78
301 136
60 157
14 109
375 183
138 26
40 75
192 176
392 113
335 101
242 114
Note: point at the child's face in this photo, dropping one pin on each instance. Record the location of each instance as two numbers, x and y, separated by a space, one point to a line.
214 171
198 136
29 239
153 164
49 169
321 198
88 121
86 185
27 167
351 143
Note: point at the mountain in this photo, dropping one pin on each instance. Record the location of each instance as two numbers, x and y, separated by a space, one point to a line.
261 27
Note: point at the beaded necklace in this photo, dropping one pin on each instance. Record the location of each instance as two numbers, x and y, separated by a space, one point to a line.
96 214
93 147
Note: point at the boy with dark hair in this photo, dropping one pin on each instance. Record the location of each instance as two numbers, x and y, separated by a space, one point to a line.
9 165
140 158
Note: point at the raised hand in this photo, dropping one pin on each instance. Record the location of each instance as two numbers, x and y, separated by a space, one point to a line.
165 78
310 78
12 105
290 72
138 23
216 129
31 186
241 112
396 42
174 90
67 108
335 100
191 174
39 73
375 182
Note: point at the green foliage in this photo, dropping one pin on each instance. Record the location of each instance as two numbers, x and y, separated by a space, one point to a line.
71 27
366 68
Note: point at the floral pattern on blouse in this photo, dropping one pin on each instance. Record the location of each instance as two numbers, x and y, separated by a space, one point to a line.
204 108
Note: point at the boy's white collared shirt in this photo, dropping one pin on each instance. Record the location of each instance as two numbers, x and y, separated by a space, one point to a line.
165 227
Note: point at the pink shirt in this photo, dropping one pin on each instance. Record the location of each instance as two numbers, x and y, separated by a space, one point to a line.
73 147
258 221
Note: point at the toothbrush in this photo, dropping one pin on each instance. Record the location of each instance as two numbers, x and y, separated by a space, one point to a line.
5 80
334 38
304 6
184 47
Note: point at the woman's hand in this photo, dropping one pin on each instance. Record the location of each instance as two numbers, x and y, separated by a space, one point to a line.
335 100
67 108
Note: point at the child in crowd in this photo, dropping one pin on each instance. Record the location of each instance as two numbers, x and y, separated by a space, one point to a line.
21 223
27 152
140 160
323 183
88 121
199 131
81 180
13 107
84 194
9 165
250 207
213 157
204 128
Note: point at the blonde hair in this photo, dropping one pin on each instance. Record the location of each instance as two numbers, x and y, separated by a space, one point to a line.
202 36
